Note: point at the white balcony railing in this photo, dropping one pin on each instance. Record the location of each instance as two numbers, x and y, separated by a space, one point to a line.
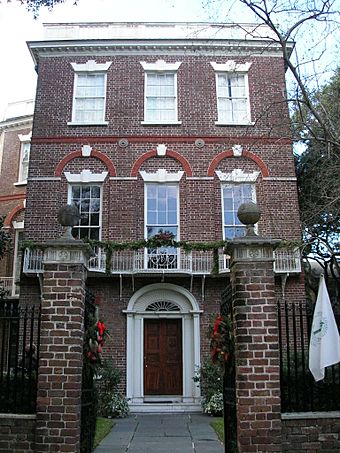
287 261
9 286
163 261
33 261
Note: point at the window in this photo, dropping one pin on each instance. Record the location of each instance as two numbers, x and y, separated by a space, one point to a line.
232 101
160 104
87 198
232 93
162 220
89 96
233 195
89 99
24 161
24 158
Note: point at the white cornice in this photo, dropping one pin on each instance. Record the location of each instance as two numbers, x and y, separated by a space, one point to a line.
213 48
17 123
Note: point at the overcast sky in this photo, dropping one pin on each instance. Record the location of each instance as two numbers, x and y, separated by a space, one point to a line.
17 75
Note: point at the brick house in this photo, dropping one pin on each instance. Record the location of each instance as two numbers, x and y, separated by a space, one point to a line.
152 128
15 136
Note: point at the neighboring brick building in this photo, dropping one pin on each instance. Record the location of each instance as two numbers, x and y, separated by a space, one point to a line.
152 128
15 136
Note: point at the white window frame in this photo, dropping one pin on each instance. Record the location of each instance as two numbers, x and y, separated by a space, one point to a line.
25 141
160 67
146 185
90 67
253 196
89 183
230 68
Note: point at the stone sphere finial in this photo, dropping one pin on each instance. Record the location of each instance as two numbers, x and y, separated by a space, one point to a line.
249 214
68 216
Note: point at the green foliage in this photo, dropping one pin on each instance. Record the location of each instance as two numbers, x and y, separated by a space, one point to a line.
94 341
111 403
210 379
318 169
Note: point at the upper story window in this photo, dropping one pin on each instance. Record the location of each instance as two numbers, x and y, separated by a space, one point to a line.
89 93
85 192
160 102
232 91
24 158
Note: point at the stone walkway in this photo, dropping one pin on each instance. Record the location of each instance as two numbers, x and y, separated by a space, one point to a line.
162 433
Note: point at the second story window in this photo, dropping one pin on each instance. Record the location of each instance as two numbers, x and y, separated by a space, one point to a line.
87 198
24 161
160 100
232 92
233 195
24 158
89 93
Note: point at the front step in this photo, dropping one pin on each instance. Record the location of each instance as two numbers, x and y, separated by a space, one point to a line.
162 407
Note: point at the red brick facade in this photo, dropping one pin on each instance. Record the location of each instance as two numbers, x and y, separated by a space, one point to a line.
57 149
15 125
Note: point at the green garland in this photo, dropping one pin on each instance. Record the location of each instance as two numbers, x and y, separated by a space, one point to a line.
156 242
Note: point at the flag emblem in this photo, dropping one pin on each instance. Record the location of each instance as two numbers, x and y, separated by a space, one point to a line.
320 328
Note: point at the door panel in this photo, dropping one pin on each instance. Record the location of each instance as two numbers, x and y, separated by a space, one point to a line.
162 356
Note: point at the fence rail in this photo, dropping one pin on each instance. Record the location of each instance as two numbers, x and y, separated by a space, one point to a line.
19 352
299 391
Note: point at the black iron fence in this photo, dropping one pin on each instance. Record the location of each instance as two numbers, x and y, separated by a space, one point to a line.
19 354
299 391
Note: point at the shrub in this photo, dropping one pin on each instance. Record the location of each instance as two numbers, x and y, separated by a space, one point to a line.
111 403
210 378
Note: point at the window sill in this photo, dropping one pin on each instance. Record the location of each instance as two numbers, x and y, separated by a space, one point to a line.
99 123
222 123
20 183
160 123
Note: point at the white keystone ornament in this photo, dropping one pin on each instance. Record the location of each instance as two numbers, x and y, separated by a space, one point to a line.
161 150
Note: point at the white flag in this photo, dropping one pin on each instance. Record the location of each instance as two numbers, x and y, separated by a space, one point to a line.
324 345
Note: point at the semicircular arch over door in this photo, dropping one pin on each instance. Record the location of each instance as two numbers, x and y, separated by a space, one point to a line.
163 349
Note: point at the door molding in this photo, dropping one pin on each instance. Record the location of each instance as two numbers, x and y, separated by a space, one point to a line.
137 311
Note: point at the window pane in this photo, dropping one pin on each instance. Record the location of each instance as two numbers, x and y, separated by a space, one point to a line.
87 199
84 219
152 217
75 192
94 219
95 205
233 196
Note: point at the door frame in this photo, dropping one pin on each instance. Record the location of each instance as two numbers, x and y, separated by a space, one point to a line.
188 311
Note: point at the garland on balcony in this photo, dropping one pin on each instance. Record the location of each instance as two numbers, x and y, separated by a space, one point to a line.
161 239
157 241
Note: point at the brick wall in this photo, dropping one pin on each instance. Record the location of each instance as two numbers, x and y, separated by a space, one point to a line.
311 432
17 433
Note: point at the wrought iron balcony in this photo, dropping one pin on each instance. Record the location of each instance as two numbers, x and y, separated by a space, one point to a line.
169 261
